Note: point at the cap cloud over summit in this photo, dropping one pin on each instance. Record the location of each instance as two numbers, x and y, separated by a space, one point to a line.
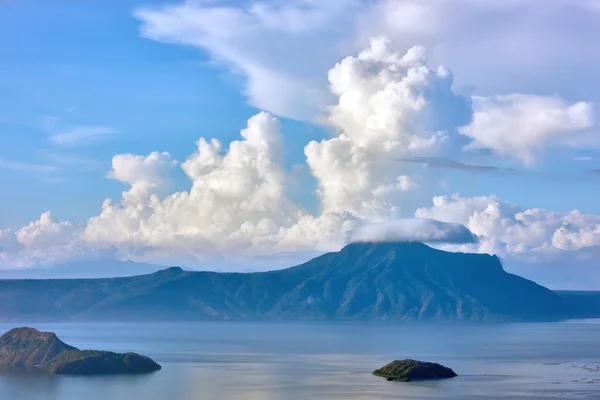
413 230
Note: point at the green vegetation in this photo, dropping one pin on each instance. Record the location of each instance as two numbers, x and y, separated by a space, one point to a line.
30 348
407 370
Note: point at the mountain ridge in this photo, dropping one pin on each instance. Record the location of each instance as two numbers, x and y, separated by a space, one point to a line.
407 281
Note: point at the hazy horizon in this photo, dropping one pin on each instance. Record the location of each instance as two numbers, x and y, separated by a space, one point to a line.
552 276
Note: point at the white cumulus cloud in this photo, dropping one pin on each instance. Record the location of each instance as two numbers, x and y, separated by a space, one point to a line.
389 105
510 230
43 242
46 232
520 125
236 205
145 175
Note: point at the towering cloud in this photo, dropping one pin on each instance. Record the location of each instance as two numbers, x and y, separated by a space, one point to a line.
389 105
237 203
235 198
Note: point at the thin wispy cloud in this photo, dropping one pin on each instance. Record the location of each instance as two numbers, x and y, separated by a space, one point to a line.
445 163
81 135
27 167
67 160
582 158
451 164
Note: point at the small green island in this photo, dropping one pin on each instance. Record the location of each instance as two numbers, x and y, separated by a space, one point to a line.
408 370
28 348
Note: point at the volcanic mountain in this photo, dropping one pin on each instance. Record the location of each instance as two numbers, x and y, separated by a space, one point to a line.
405 281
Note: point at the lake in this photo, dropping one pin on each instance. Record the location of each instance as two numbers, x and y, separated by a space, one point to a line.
271 361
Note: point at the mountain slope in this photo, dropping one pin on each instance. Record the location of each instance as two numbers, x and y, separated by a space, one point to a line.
23 347
364 281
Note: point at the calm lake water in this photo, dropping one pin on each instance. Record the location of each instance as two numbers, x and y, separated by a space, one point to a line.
272 361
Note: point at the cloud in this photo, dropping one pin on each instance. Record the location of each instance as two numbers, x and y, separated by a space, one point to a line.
67 161
451 164
236 206
235 37
471 36
582 158
413 230
8 241
46 232
513 231
145 175
389 105
27 167
56 163
286 78
81 135
237 210
519 125
43 242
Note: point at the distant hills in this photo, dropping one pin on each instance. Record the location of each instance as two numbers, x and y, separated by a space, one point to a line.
363 281
103 268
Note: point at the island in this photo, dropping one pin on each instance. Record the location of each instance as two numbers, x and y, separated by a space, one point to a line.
408 370
28 348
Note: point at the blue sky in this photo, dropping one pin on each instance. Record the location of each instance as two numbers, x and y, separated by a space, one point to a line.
81 82
94 69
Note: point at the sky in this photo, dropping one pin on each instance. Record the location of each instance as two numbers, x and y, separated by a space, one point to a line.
251 135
